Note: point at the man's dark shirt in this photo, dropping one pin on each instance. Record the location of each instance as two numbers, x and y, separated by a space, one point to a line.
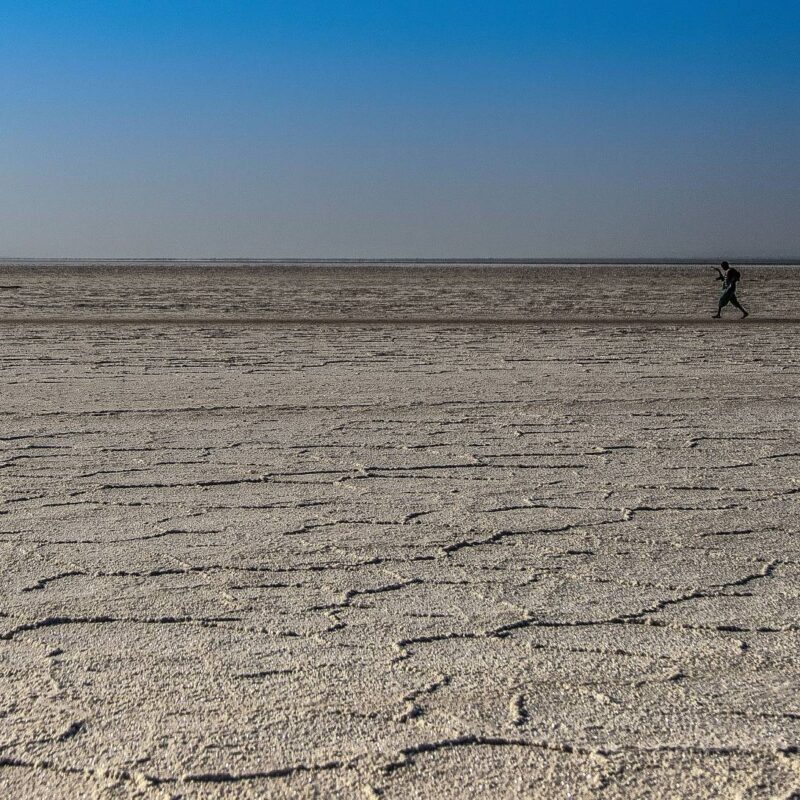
729 279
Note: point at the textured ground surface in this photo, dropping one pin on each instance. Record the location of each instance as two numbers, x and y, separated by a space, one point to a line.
399 561
378 292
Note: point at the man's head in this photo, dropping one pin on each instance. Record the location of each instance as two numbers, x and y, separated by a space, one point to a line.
725 265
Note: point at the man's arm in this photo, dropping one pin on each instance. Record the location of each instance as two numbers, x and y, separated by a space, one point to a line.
720 276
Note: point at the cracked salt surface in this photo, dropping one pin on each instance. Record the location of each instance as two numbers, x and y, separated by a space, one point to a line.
533 562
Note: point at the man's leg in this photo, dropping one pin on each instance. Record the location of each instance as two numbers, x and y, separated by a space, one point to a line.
724 298
735 304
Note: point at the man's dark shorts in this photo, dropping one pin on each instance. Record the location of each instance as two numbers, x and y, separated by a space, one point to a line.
728 296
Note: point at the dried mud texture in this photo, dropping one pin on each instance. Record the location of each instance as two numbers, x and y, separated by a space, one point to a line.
313 292
399 562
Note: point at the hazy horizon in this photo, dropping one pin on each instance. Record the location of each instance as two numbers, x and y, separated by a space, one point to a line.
486 260
408 130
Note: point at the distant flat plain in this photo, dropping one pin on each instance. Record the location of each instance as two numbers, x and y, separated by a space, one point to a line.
398 531
311 292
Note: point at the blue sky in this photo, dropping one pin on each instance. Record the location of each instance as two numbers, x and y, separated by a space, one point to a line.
380 129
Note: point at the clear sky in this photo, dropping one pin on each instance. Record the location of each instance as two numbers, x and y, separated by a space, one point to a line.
373 128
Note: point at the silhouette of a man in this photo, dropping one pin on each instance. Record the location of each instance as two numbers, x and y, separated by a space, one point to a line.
729 277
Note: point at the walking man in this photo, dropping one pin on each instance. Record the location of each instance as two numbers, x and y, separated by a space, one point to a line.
729 277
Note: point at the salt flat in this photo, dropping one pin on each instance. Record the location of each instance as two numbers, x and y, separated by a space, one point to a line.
397 560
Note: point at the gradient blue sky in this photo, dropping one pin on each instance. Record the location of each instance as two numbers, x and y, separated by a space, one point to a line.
381 129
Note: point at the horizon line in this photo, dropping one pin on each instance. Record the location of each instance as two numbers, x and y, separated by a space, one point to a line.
777 260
